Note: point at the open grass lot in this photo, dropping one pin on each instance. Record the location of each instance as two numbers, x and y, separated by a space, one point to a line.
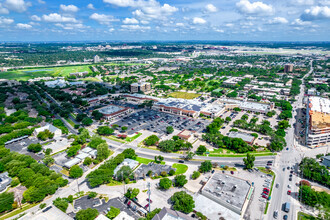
180 168
146 160
304 216
184 95
30 73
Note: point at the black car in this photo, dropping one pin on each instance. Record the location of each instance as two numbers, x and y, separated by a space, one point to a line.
290 179
181 161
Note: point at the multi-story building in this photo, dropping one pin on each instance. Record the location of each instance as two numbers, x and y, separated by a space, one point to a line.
317 121
142 86
96 59
288 68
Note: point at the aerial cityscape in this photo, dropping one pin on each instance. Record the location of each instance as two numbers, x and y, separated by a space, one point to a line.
165 110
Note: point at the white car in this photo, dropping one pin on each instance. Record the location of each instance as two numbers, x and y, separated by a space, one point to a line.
289 186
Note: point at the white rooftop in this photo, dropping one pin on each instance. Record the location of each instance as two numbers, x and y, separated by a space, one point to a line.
320 104
110 109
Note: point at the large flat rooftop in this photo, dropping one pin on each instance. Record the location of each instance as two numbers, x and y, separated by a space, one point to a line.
319 112
319 104
227 189
110 109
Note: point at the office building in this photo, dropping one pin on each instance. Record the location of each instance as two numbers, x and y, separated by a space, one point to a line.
288 68
317 121
96 59
111 112
140 87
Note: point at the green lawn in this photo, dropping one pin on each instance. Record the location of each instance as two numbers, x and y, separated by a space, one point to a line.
130 139
184 95
146 160
241 155
70 122
91 79
30 73
26 206
304 216
111 137
180 168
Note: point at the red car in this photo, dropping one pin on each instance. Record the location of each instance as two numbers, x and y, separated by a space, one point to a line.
146 206
289 192
266 189
266 192
264 196
232 172
150 200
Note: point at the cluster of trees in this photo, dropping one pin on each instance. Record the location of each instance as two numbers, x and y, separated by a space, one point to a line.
310 197
151 140
88 213
311 169
59 124
205 167
295 88
44 135
183 202
35 147
132 193
15 134
234 144
6 201
175 144
249 161
7 128
215 126
113 213
104 130
84 119
38 178
105 172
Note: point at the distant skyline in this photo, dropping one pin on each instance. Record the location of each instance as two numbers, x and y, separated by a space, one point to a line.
164 20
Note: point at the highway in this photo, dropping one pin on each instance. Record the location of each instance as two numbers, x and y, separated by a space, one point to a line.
288 158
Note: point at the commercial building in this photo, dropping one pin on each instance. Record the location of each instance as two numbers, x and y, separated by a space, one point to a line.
288 68
111 112
141 86
80 74
139 98
169 214
59 82
96 59
187 135
244 136
142 171
96 100
247 106
127 162
317 121
82 154
229 191
56 131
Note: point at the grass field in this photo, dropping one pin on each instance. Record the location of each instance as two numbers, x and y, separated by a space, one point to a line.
184 95
304 216
180 168
30 73
146 160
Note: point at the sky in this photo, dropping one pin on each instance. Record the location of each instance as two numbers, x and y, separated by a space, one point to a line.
164 20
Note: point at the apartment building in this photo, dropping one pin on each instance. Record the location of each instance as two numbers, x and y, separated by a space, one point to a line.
142 86
317 121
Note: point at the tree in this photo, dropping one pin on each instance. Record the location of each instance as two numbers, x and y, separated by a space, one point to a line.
201 149
35 147
132 193
130 153
190 155
180 180
96 141
48 151
167 145
159 159
284 124
48 160
124 128
87 121
61 203
227 119
151 214
151 140
73 150
123 173
249 161
87 214
6 201
75 171
285 114
103 151
87 161
44 135
113 212
165 183
97 115
195 175
92 194
183 202
104 130
169 129
205 166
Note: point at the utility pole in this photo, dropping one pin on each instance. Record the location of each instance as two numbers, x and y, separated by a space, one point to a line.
149 193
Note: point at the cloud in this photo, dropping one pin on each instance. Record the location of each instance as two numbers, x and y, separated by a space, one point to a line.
210 8
35 18
197 20
229 25
316 13
71 26
5 21
146 9
302 2
69 8
17 5
41 2
130 21
135 27
90 6
23 26
256 8
57 18
300 22
3 10
278 20
102 18
179 24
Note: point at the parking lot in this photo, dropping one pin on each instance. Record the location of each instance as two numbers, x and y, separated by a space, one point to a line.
157 122
21 147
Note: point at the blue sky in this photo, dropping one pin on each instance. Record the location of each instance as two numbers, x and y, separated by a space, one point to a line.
136 20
